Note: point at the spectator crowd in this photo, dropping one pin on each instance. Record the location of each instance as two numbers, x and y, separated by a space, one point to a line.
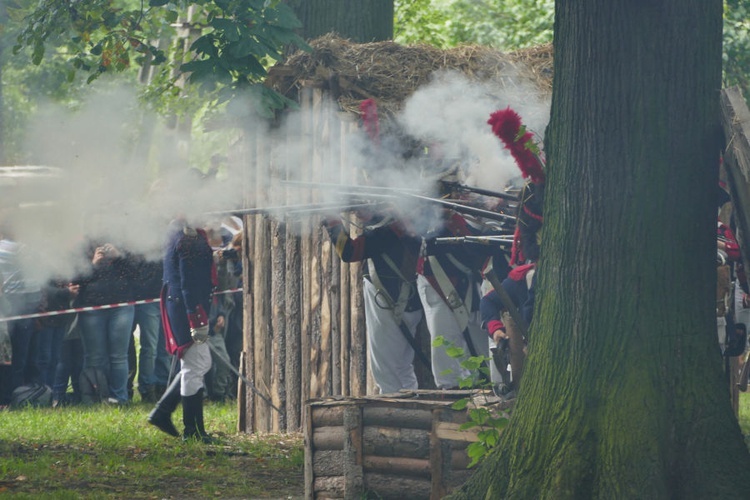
110 344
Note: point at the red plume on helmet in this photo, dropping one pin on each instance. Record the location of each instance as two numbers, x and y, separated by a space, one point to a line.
369 110
506 124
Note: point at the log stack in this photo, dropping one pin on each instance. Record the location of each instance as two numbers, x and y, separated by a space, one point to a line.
408 445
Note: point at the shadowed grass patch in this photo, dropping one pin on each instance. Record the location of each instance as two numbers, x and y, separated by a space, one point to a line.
111 452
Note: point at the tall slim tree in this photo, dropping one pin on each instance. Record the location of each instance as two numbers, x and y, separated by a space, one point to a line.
359 20
623 395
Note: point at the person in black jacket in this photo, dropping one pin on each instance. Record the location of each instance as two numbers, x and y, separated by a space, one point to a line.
106 332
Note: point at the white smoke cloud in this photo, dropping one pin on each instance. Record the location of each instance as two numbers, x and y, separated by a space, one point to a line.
108 193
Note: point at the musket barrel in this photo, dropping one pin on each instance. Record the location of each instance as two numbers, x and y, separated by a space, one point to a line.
482 191
478 212
347 187
479 240
279 208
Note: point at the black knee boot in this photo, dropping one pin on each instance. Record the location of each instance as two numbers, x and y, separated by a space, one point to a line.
192 417
161 415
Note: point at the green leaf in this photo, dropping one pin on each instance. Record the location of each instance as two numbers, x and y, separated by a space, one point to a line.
171 16
466 383
227 27
460 404
157 3
454 352
38 53
202 66
473 363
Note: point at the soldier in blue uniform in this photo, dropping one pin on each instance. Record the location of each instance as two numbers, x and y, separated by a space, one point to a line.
189 279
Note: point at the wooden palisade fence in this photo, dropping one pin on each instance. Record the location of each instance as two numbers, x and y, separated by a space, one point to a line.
304 325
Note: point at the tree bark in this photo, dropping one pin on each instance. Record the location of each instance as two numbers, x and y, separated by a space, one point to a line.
359 20
623 394
3 149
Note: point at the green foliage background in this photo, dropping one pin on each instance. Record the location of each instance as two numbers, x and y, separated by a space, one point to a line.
50 49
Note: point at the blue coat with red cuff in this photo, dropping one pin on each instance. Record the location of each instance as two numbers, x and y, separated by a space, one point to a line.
189 279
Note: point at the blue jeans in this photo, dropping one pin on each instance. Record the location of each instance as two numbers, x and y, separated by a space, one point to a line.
68 369
106 336
48 346
21 335
148 319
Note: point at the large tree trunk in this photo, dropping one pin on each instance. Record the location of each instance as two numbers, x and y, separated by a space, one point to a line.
623 394
359 20
3 150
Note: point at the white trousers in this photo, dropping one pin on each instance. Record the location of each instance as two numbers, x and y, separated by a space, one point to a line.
391 355
194 364
441 322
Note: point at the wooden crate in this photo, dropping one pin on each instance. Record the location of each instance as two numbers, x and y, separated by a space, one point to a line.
385 446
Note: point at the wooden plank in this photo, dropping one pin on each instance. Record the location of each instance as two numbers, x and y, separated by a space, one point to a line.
328 438
293 359
242 424
261 297
345 273
353 447
395 442
358 346
305 253
318 352
437 460
346 330
328 415
292 293
326 329
278 325
310 449
335 318
396 416
400 466
452 431
390 486
248 259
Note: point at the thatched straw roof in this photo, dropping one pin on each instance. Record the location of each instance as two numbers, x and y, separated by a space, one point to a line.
389 72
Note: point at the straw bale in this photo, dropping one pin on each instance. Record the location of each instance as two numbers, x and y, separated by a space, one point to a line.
388 72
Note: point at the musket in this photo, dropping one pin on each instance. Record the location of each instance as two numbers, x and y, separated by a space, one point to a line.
396 193
340 208
349 187
479 240
302 208
501 360
247 382
455 186
465 209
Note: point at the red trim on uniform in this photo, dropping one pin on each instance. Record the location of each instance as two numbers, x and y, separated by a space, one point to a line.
494 325
518 273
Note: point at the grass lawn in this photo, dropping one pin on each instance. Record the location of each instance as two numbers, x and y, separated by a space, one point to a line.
105 452
112 452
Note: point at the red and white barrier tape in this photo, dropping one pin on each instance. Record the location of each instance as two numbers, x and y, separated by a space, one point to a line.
97 308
